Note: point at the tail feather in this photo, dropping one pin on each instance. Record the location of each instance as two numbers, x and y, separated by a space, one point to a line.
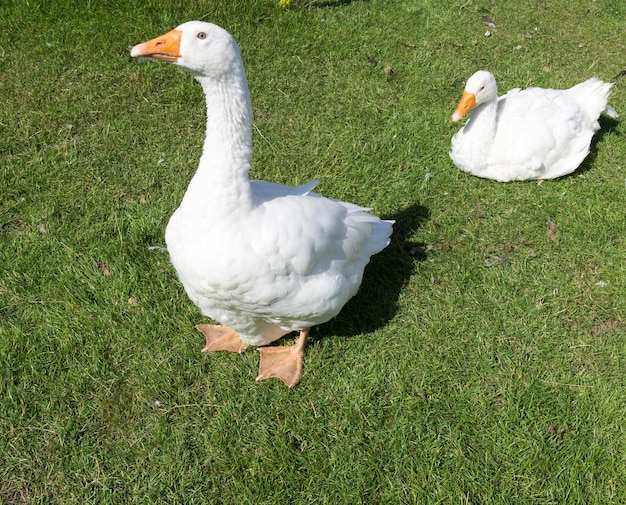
380 236
611 112
592 96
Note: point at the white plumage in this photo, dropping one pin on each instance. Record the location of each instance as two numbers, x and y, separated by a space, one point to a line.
534 133
261 258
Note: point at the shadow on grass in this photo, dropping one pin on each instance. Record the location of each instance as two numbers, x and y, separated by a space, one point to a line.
322 4
387 273
607 126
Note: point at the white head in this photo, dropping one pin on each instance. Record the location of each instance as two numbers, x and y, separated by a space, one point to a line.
205 49
480 88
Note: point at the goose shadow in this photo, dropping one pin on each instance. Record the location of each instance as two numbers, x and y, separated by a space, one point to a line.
375 304
607 126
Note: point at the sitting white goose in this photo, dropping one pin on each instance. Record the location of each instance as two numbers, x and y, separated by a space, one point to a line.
534 133
260 258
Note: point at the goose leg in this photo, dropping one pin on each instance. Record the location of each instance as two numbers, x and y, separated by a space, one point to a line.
221 338
284 363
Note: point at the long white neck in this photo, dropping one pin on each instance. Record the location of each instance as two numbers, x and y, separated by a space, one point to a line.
482 124
221 183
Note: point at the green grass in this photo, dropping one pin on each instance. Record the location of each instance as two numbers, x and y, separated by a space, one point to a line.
483 361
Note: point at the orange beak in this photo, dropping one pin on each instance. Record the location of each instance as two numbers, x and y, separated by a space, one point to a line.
467 103
165 48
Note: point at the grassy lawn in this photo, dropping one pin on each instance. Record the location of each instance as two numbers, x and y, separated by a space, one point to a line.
483 361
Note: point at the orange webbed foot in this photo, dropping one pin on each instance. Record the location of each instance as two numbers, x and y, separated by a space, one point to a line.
221 338
284 363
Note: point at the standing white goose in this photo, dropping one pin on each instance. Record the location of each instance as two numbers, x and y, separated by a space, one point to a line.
261 258
534 133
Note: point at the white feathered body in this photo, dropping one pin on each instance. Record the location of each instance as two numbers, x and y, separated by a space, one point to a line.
534 133
292 261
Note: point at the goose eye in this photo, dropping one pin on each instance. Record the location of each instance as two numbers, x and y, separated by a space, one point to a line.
201 35
481 88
